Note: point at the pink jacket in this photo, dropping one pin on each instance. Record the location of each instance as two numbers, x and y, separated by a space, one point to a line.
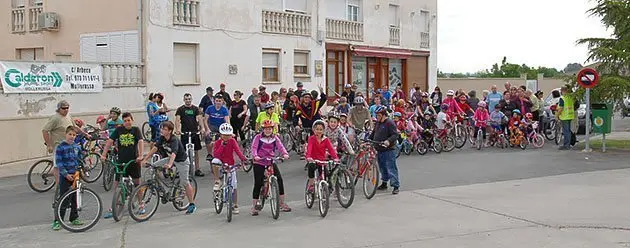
481 114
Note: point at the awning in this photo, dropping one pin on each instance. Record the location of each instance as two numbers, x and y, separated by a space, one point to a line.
391 53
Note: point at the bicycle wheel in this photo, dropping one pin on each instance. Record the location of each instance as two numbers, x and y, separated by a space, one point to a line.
118 201
229 195
470 131
309 198
218 201
323 196
141 196
247 166
88 205
550 130
344 188
274 198
109 176
180 199
41 171
538 141
370 180
479 140
92 168
286 141
437 146
524 142
407 147
559 136
449 144
146 131
398 149
422 147
460 139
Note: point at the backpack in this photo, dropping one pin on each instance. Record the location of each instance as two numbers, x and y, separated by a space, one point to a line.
275 145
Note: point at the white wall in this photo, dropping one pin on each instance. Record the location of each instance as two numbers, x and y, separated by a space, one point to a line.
230 33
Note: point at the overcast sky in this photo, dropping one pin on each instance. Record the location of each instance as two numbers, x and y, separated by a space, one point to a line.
473 35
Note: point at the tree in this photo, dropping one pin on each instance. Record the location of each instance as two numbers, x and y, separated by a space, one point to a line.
613 53
572 67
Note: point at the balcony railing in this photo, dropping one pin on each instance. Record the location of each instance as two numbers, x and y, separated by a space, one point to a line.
394 35
186 12
344 30
18 16
286 23
122 74
425 39
33 17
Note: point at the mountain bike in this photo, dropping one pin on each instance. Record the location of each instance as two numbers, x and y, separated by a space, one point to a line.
366 168
332 176
84 200
42 170
123 192
162 186
225 194
270 190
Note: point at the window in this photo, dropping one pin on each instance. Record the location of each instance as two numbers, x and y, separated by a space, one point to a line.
38 2
424 21
110 47
18 4
295 5
300 64
185 63
354 10
393 15
29 54
63 57
270 62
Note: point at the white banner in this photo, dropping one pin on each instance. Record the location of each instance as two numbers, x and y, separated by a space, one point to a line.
47 77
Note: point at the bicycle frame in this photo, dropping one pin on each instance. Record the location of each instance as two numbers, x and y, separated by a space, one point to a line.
190 151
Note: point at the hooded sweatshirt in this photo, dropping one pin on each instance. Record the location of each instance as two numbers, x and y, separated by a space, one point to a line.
266 147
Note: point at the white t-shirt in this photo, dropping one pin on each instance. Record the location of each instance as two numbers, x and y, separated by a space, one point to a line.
442 119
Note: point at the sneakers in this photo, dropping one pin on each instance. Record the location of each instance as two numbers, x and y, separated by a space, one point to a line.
191 208
217 186
395 191
285 208
254 212
76 223
56 226
209 157
383 186
311 189
235 210
199 173
108 214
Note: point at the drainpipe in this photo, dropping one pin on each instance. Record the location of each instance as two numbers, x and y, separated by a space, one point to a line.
140 23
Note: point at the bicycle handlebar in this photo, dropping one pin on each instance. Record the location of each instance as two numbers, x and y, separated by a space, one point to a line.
324 162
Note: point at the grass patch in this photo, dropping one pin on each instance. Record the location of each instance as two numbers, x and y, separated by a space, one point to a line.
612 144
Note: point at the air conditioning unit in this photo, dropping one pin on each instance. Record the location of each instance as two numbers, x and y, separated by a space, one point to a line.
48 21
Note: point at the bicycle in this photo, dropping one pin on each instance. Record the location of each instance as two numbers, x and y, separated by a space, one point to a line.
284 133
497 137
77 198
320 189
447 141
109 170
45 166
147 132
270 190
190 152
458 132
225 194
366 168
329 179
479 141
165 185
534 138
425 143
122 193
468 123
247 146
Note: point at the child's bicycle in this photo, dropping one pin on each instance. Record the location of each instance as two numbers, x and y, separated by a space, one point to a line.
84 200
271 189
517 138
406 146
122 193
161 186
534 138
496 137
322 186
479 141
446 138
429 141
225 194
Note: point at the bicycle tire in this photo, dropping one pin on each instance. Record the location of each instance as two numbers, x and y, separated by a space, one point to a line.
230 202
524 142
479 140
118 202
407 147
45 177
178 190
146 131
264 193
324 199
371 177
438 146
109 177
95 159
309 198
274 198
422 147
449 144
538 141
470 131
460 140
218 201
84 227
550 130
247 167
146 188
559 135
344 182
191 163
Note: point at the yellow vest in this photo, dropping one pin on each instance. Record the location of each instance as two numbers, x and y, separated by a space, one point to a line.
568 112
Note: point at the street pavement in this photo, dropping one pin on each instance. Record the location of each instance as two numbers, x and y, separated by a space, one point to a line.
464 198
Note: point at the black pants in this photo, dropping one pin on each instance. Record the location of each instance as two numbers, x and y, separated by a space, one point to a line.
259 177
483 132
311 170
65 186
237 124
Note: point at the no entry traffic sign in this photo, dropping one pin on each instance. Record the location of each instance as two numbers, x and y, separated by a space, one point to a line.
588 78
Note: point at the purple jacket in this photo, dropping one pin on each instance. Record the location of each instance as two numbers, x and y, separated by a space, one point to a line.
268 147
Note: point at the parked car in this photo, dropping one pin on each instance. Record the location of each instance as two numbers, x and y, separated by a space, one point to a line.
625 111
553 98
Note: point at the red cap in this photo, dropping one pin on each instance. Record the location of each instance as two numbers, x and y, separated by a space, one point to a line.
222 84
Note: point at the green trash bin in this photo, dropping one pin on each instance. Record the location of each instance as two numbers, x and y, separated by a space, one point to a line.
602 117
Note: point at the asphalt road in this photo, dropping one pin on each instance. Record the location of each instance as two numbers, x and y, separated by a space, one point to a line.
20 206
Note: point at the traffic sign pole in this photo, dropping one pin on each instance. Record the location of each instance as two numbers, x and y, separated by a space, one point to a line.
587 140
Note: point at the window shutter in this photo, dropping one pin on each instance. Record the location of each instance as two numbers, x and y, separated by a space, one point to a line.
270 60
103 48
117 47
88 48
27 54
300 59
185 59
132 53
393 15
295 5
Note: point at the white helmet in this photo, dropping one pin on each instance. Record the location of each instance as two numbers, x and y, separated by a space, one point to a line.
226 129
450 93
216 161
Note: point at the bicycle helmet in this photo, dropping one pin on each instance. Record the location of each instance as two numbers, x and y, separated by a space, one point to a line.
267 123
482 104
332 114
319 122
450 93
343 115
444 106
226 129
529 115
516 111
380 110
78 122
300 84
100 119
115 110
397 114
359 100
216 161
269 105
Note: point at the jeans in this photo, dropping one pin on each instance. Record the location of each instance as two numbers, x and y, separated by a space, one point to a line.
389 169
566 132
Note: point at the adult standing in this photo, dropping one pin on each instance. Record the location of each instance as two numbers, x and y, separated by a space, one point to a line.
238 112
386 133
54 131
413 90
399 93
494 97
214 117
300 90
436 98
254 110
359 114
250 99
348 93
566 113
507 86
472 99
207 99
188 118
226 96
264 96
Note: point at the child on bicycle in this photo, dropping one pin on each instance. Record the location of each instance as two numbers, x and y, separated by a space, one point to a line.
337 136
224 150
516 123
401 125
481 118
528 121
319 147
114 121
346 127
497 118
67 161
264 147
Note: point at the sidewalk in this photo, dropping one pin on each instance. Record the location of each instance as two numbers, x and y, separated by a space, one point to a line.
576 210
